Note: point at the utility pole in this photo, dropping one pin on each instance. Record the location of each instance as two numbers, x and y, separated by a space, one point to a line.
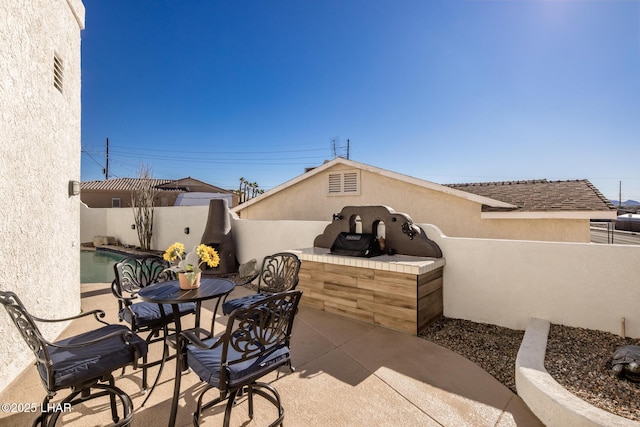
347 148
620 195
106 168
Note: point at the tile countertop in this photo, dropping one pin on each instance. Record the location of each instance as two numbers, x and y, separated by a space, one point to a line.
398 263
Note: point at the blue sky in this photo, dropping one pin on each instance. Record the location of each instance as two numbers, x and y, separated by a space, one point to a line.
449 91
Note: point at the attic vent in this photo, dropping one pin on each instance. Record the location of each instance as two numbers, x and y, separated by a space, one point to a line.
58 72
335 183
350 182
344 183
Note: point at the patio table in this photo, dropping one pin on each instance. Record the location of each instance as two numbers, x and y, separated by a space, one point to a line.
170 293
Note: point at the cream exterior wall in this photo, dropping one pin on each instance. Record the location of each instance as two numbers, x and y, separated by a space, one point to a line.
501 282
168 225
254 239
93 222
173 220
39 155
455 216
505 282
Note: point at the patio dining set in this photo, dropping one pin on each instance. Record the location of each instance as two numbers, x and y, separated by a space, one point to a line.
152 306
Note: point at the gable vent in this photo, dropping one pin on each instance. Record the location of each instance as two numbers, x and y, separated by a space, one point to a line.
350 182
335 183
58 73
344 183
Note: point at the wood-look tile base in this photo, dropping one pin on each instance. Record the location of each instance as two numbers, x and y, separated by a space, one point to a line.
400 301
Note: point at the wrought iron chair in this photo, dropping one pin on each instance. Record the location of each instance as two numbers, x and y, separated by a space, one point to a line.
132 274
80 363
255 343
279 273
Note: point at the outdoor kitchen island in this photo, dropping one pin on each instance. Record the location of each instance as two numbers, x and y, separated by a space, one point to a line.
399 292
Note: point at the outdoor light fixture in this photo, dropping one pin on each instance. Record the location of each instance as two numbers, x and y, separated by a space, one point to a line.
186 230
74 188
133 226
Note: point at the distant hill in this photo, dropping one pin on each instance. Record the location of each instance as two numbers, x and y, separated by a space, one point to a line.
626 203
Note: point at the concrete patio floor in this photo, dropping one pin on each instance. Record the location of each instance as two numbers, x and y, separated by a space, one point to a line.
348 373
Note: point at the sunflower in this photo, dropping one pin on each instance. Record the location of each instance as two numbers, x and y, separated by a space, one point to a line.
174 252
208 255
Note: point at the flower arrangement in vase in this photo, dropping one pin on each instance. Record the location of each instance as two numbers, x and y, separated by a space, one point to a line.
187 265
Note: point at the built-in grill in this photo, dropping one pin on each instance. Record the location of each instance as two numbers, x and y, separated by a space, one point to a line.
375 230
400 287
217 234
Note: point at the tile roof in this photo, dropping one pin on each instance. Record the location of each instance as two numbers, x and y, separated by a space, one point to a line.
541 195
124 184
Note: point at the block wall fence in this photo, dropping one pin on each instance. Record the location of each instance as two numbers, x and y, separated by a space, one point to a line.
502 282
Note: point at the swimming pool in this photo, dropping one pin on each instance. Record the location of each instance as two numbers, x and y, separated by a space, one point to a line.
97 266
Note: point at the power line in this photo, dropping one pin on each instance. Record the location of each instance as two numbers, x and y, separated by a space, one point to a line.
216 152
218 157
91 157
169 162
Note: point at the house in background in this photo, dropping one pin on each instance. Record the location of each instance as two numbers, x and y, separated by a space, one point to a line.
116 193
524 210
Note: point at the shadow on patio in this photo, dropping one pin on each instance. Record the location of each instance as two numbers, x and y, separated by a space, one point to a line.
348 373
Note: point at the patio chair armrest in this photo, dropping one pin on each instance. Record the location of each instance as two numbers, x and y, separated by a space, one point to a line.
121 298
195 340
115 290
125 334
98 314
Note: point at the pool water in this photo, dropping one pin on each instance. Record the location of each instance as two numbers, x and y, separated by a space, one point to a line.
97 266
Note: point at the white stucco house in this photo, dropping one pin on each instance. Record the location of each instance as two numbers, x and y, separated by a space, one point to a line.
39 164
539 210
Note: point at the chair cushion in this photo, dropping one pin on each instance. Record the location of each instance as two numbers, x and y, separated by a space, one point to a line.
75 365
206 363
148 313
242 302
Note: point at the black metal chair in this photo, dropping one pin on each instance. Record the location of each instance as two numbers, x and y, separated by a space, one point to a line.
132 274
255 343
80 363
279 273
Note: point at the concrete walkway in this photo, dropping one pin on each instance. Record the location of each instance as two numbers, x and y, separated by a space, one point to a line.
347 374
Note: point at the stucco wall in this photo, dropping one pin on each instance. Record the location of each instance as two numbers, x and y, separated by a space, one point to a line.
505 282
255 239
502 282
168 226
93 222
39 155
172 221
309 200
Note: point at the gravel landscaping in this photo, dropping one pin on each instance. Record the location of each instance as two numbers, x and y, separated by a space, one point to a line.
577 358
